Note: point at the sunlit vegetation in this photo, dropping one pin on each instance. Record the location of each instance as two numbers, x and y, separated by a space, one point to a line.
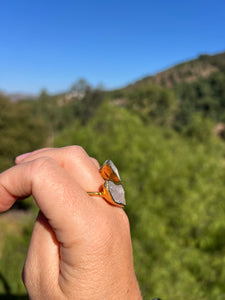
19 131
175 193
162 137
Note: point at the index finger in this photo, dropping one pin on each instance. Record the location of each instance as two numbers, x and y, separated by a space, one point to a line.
58 196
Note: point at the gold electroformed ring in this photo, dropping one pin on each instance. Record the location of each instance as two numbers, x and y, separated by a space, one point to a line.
112 190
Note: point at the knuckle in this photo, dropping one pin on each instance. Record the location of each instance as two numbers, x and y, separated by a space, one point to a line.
43 162
41 165
75 151
95 162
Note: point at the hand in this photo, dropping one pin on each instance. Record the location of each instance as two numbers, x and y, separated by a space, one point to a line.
80 246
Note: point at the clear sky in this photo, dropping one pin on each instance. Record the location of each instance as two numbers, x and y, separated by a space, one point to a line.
52 43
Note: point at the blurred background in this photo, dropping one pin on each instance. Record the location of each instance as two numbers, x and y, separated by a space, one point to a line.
141 83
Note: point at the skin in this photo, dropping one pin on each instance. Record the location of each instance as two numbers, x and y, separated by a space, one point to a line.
80 246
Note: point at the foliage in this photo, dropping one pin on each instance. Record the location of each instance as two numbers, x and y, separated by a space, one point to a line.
55 115
175 195
20 132
205 96
86 109
81 86
153 103
13 256
59 111
198 129
174 179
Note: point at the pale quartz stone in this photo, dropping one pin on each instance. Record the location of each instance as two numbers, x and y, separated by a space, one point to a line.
116 191
113 167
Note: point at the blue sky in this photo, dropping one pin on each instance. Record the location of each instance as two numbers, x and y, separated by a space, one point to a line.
52 43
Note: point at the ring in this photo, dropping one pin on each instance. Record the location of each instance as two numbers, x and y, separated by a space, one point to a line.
112 190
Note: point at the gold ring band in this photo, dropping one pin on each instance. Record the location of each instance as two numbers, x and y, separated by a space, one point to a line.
112 190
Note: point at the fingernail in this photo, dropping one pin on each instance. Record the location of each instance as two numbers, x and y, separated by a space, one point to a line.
21 157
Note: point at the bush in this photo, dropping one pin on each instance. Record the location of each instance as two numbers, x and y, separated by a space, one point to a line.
175 201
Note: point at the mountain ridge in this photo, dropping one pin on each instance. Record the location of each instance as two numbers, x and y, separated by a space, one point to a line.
188 71
185 72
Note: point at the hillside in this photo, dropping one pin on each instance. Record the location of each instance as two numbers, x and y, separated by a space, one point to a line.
188 72
178 96
159 132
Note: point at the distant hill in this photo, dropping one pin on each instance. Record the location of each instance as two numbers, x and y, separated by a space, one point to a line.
188 72
180 95
19 96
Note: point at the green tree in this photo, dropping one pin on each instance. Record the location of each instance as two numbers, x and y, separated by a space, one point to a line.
20 132
81 86
205 96
175 201
153 104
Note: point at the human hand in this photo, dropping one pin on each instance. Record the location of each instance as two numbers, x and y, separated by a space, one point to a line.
80 246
